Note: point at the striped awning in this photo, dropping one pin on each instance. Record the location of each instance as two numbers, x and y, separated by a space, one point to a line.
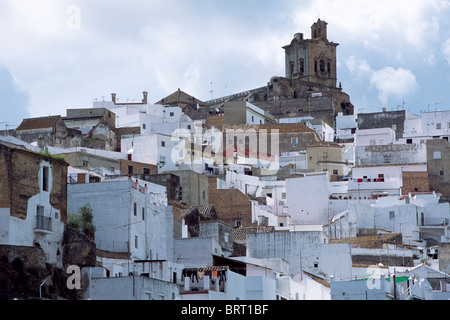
203 269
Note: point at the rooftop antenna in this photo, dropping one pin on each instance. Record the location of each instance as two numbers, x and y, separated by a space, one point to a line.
435 104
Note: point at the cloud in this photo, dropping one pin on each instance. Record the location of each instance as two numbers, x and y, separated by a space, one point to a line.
392 82
14 100
446 50
359 68
381 24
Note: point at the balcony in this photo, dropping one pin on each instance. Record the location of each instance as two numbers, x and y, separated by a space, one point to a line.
43 224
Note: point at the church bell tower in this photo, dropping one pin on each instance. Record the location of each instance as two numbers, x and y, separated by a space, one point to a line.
314 59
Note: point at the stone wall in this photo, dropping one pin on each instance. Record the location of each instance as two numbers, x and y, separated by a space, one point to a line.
444 256
22 171
230 204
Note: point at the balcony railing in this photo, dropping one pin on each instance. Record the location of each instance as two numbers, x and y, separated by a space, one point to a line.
43 223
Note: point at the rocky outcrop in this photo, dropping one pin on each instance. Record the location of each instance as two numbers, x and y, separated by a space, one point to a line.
78 249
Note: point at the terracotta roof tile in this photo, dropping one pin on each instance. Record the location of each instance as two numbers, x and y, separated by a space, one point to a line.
38 123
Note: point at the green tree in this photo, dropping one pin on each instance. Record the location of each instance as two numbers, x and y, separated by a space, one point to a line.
82 222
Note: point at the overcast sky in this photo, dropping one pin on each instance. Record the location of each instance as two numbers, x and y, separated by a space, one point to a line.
59 54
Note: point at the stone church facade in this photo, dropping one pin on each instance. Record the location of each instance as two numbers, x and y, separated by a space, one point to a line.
309 87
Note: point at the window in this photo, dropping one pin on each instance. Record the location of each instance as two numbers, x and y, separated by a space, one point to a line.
135 209
189 127
45 178
130 169
438 126
394 127
39 210
283 195
163 143
335 171
409 141
204 194
136 242
391 214
322 66
436 155
294 141
162 160
144 126
42 222
143 213
171 114
253 118
237 223
226 237
441 173
146 171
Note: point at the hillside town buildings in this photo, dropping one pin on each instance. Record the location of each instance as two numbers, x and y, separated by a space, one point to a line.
278 193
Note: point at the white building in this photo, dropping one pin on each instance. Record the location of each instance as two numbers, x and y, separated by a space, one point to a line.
307 198
130 216
304 251
418 218
345 126
240 278
323 129
165 151
137 280
372 137
41 221
372 181
237 177
151 118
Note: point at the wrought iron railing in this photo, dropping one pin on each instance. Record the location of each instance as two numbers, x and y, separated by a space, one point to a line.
43 223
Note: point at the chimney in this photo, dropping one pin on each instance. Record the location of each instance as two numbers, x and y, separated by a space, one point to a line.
145 93
41 141
383 109
113 97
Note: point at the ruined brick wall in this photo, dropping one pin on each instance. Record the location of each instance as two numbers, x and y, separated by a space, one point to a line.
24 181
438 167
58 195
5 177
415 181
216 121
138 167
444 256
387 260
20 181
230 204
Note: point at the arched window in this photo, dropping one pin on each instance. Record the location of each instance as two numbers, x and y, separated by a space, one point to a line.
322 66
